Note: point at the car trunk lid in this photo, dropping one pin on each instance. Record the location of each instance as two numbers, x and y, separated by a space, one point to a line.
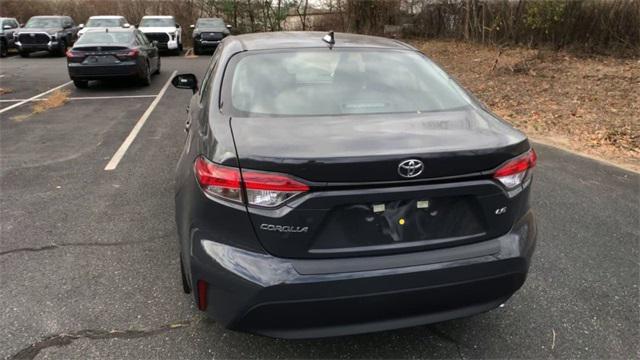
353 149
359 203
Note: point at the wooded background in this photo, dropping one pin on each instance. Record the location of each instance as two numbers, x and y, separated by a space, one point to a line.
600 26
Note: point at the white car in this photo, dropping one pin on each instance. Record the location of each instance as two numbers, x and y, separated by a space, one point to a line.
103 21
164 30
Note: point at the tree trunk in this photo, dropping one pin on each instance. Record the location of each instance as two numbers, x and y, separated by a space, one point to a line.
467 10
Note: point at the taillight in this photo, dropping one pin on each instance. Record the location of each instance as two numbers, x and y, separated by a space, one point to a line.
514 171
261 188
71 55
129 55
217 180
265 189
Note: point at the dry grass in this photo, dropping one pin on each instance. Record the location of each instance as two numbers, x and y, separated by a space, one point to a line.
189 54
4 91
588 104
55 100
20 118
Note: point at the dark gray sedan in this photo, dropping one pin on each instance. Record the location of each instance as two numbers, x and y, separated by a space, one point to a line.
207 34
113 53
335 184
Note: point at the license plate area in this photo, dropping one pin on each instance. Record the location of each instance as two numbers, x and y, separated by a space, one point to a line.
101 59
343 222
400 221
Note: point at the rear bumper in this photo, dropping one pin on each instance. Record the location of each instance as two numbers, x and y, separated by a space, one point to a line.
292 298
95 72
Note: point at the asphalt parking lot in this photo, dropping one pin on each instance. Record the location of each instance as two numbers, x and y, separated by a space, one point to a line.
89 258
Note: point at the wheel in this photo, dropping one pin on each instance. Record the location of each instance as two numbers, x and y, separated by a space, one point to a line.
158 69
62 48
146 77
180 46
4 51
24 54
185 283
81 84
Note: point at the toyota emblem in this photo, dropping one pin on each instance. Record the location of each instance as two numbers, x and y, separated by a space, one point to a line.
410 168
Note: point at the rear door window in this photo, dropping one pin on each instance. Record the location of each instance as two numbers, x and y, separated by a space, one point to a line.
142 39
205 87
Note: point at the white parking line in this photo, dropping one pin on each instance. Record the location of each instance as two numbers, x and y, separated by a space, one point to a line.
115 160
112 97
18 100
33 97
88 98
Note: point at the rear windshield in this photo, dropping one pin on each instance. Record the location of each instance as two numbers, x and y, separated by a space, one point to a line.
334 82
105 38
210 23
157 22
44 23
103 23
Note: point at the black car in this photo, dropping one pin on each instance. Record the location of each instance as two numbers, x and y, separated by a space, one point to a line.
7 38
49 33
207 34
343 184
112 53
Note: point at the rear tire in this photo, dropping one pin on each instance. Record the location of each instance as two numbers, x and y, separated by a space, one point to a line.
158 69
62 48
81 84
4 50
185 283
146 79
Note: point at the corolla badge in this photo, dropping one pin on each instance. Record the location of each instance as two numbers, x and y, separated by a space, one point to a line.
410 168
284 229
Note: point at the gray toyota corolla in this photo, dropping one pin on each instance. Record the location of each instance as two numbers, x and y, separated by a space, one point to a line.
335 184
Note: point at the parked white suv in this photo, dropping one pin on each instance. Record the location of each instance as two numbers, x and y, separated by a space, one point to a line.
164 30
103 21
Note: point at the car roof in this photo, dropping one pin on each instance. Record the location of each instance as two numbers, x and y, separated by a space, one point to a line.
158 16
106 17
49 16
311 39
111 29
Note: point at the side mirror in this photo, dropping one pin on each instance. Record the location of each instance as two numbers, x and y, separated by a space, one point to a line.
185 81
126 25
229 27
192 26
177 26
7 27
81 26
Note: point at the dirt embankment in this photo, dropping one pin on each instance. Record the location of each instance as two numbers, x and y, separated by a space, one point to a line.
588 104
